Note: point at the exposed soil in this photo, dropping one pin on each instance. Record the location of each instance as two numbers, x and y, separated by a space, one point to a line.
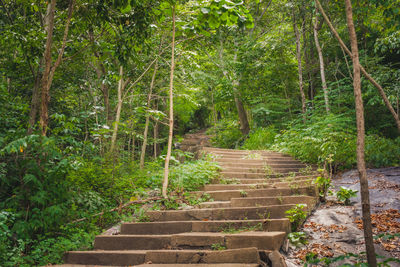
334 229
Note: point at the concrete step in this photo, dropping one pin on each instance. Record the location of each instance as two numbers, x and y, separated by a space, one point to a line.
265 184
232 213
260 240
175 227
200 265
226 164
225 195
279 200
266 180
215 204
136 257
242 175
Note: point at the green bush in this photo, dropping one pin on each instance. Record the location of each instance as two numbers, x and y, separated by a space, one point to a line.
261 138
188 176
329 139
382 152
226 134
320 139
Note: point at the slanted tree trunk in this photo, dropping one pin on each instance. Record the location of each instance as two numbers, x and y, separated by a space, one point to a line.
364 72
366 210
146 126
321 65
300 68
118 113
171 109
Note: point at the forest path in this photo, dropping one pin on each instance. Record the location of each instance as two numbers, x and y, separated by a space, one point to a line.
243 225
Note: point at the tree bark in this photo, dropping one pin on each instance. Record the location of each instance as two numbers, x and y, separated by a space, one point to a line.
49 68
369 77
35 103
300 68
118 113
146 126
321 65
171 110
366 210
49 27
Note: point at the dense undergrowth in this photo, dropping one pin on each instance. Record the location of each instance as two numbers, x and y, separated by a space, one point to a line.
323 139
46 191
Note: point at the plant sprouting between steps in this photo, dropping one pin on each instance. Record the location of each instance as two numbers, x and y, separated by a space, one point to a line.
298 238
243 193
297 215
218 246
345 194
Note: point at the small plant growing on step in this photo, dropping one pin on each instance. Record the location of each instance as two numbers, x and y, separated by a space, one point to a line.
298 238
268 170
243 193
218 246
344 195
306 171
297 215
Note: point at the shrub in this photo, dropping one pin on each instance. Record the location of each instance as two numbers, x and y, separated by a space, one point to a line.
261 138
226 134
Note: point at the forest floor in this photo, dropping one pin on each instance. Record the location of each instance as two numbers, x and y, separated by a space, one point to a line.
334 229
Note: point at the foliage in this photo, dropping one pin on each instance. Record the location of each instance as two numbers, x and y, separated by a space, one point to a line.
297 215
323 184
358 260
345 194
226 134
297 238
261 138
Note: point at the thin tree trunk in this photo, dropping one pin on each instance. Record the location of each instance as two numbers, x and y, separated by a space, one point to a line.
118 113
171 110
155 137
49 70
49 27
321 65
146 126
35 103
380 89
366 209
300 68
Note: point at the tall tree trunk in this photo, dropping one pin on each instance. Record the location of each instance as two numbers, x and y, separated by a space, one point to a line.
364 72
146 126
171 109
118 113
49 68
366 210
321 65
45 97
300 68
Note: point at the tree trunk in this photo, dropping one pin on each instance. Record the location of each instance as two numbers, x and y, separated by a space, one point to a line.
35 103
155 136
300 68
45 97
146 126
49 68
369 77
369 241
171 110
321 65
118 113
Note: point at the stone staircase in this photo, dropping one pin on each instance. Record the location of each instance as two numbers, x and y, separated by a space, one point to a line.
242 225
